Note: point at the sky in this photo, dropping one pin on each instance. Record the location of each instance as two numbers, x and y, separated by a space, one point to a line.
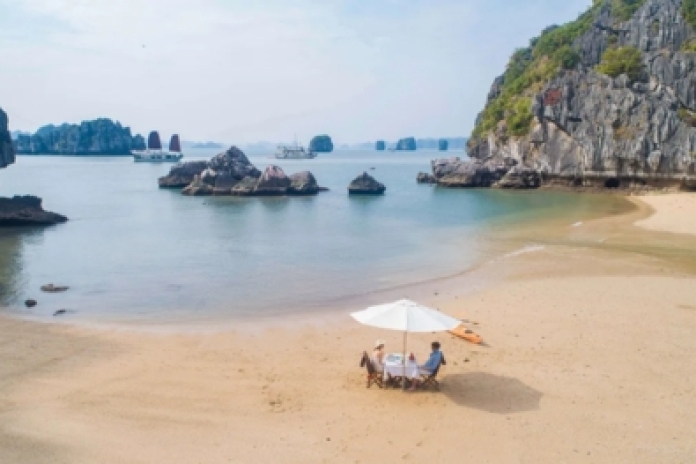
241 71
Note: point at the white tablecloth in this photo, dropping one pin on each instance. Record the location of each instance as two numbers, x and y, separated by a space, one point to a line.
393 366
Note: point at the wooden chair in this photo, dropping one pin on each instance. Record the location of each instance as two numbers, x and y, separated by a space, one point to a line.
431 380
373 376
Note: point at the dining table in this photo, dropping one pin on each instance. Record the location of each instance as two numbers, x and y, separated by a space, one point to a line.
395 369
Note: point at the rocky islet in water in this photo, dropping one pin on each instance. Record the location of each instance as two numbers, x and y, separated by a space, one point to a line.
20 210
231 173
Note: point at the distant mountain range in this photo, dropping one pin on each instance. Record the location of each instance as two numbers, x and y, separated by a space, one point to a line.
455 143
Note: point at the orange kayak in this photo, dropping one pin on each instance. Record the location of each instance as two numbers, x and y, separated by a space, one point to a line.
467 334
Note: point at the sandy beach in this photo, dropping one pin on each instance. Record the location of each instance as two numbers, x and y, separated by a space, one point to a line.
588 358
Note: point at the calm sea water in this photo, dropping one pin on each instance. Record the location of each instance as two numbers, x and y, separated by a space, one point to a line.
134 252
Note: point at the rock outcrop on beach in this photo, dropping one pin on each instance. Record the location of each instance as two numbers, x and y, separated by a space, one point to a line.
321 144
380 145
26 211
231 173
98 137
605 101
365 184
407 144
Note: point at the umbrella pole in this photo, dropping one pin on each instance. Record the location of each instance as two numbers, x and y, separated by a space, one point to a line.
404 360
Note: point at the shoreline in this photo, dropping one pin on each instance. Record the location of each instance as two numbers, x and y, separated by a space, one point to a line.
588 358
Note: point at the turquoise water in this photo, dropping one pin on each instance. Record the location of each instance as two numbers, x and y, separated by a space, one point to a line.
134 252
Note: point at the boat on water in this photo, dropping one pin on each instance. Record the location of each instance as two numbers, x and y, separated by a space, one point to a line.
294 151
154 152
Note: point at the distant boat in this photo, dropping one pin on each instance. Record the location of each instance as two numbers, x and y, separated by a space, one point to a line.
154 152
294 151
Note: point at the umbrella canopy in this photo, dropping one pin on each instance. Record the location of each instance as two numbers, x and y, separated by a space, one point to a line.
406 316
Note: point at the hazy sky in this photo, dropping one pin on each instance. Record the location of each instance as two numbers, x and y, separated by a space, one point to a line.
247 70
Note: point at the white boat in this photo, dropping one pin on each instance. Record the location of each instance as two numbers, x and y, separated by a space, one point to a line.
154 152
293 151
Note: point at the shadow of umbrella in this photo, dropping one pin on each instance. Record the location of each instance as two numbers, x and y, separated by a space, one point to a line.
491 393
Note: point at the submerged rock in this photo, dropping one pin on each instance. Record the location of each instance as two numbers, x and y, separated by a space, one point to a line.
303 183
365 184
26 211
30 303
273 181
182 174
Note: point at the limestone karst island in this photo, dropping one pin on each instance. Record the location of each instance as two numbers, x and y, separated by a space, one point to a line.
348 232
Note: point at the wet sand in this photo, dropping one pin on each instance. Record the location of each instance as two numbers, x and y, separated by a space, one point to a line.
589 358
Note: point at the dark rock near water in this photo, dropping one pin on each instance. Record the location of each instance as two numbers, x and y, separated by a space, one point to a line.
365 184
234 163
244 187
380 145
30 303
303 183
321 144
425 178
520 177
468 174
98 137
26 211
590 129
182 174
7 153
273 181
60 312
198 188
407 144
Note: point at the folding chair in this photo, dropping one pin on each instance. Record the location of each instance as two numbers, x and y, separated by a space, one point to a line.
372 375
431 380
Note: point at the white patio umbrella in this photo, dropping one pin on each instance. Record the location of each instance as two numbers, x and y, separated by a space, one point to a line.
406 316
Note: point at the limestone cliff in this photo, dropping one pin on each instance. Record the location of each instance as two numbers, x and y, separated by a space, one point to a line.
606 100
98 137
321 144
7 155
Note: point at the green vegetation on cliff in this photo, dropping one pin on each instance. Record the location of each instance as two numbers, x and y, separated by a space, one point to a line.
528 70
624 9
622 60
531 68
689 11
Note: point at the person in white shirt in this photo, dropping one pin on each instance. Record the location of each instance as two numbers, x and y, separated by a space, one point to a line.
377 358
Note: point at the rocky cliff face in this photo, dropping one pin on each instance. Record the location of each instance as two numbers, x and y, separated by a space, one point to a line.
588 128
7 155
98 137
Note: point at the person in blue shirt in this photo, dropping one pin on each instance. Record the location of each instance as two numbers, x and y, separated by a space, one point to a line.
431 364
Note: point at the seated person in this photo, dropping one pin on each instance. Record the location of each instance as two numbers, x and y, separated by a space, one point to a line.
377 358
431 364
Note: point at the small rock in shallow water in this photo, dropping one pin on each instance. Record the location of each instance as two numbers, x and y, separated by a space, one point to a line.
30 303
60 312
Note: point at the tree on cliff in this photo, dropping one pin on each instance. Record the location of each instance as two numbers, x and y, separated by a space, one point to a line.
321 144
